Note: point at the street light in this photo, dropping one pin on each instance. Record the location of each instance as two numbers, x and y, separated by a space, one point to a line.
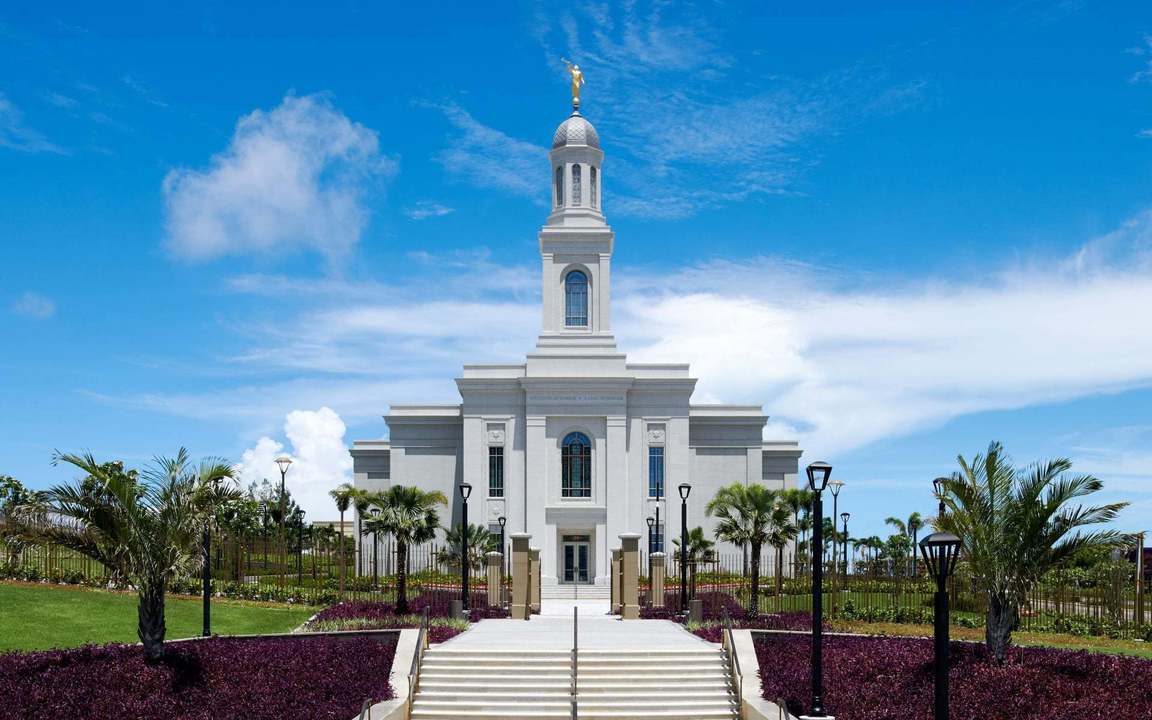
503 556
939 485
835 486
818 473
465 491
941 550
684 489
298 516
282 462
844 518
207 577
375 549
651 522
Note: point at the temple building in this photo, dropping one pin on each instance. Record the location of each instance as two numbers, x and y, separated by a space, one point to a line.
575 444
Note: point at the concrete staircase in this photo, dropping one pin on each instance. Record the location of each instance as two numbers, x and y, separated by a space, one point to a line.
526 684
575 592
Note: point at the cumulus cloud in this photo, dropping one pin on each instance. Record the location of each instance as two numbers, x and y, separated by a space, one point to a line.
320 459
34 305
291 178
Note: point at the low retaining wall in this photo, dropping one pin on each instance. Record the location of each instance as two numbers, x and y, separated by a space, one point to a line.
755 707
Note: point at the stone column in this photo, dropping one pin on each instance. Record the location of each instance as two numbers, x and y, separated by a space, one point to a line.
656 582
534 570
614 604
495 568
521 576
630 576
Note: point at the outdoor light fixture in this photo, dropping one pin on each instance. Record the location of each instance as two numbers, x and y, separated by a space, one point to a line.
684 489
941 551
651 522
503 556
207 577
939 485
836 486
465 492
844 519
818 473
299 517
282 462
375 549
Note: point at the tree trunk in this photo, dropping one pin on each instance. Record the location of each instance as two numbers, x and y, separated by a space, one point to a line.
342 564
998 628
150 613
754 608
401 577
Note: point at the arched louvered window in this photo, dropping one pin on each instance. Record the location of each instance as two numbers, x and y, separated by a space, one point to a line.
575 185
559 186
592 187
576 466
576 299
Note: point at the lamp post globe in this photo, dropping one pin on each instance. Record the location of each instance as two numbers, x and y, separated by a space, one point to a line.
685 489
465 492
818 473
941 551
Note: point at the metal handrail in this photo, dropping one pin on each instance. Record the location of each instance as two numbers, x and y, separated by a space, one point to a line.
417 660
366 710
728 642
575 650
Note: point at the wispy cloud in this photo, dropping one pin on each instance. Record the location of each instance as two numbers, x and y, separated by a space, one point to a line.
489 158
291 178
427 209
15 135
1143 51
34 305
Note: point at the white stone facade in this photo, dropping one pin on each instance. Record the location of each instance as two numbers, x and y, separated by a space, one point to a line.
635 417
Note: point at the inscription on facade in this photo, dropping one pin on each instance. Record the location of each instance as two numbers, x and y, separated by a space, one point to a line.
579 398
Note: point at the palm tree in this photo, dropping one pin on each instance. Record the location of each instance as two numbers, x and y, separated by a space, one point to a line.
144 527
798 500
700 550
746 511
343 497
1017 524
409 515
361 501
782 529
910 529
480 541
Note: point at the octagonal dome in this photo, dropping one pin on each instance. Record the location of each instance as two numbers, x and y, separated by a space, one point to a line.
575 131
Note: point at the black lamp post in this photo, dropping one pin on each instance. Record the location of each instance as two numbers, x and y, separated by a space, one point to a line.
282 462
818 473
685 489
375 550
299 518
844 518
207 577
651 521
835 486
503 556
465 491
941 551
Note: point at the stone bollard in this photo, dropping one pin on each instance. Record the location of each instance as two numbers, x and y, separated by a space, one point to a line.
630 576
656 582
696 611
521 576
614 605
495 578
534 569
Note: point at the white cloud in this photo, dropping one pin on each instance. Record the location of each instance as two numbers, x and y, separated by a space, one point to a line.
291 178
320 460
34 305
15 135
489 158
425 209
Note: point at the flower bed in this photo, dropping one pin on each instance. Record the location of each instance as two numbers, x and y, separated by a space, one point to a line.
216 679
869 678
712 630
363 615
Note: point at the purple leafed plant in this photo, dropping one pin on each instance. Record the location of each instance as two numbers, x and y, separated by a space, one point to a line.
438 604
217 679
868 678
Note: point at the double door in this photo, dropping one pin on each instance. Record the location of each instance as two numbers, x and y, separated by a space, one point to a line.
575 558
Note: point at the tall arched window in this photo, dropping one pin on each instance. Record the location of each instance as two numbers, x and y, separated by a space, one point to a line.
559 186
575 184
592 187
576 466
576 299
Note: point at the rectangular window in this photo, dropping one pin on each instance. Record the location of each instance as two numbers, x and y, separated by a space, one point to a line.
655 472
496 472
656 538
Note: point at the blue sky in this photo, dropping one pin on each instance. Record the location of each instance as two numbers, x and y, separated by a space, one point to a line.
908 229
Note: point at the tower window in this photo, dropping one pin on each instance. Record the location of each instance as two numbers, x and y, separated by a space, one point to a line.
592 187
655 472
559 186
576 466
496 471
576 299
575 184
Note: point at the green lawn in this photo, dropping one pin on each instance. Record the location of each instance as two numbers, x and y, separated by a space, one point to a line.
36 617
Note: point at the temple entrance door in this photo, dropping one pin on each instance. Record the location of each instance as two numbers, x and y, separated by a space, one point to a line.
576 549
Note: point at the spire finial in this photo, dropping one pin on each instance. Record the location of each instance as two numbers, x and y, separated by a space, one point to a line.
577 81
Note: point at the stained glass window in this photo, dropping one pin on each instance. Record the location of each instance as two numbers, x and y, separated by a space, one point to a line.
576 299
592 187
496 471
576 466
655 472
575 184
559 186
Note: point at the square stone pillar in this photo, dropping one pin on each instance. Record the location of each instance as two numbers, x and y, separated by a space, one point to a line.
534 570
521 576
630 576
656 582
495 579
614 595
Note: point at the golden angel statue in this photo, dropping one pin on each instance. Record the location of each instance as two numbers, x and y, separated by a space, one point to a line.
577 81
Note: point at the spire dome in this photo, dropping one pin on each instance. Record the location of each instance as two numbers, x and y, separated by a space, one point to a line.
574 131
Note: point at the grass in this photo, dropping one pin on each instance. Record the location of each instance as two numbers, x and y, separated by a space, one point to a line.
1110 646
39 617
